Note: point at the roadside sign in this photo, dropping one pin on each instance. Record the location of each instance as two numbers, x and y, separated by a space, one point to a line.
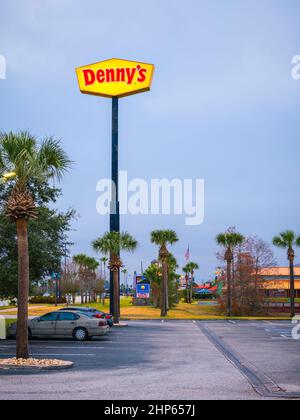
115 78
143 291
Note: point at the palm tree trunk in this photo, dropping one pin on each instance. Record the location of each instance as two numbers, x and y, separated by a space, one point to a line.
116 296
292 277
229 309
119 297
187 288
23 290
164 311
191 289
167 291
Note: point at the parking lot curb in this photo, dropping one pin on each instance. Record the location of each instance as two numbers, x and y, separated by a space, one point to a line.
68 365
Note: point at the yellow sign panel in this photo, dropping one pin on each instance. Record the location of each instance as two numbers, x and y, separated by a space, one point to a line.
115 78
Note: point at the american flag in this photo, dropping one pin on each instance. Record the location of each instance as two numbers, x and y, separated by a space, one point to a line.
187 254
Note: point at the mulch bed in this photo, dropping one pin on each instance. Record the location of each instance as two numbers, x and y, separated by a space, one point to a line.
43 364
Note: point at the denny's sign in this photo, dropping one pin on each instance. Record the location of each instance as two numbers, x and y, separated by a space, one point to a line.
115 78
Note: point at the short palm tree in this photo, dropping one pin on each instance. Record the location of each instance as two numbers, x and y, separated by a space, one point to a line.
162 238
289 240
111 244
190 268
29 161
229 240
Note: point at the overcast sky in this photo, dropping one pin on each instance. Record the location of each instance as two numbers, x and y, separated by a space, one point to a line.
223 107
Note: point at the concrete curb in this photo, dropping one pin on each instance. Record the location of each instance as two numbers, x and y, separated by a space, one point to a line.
68 365
121 325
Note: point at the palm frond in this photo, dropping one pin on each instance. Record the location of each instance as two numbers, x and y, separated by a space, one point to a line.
114 243
285 239
164 237
53 159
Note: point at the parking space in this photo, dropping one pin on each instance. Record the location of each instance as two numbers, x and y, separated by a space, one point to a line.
159 360
268 346
146 360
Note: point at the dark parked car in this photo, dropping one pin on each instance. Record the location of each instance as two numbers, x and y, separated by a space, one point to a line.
92 312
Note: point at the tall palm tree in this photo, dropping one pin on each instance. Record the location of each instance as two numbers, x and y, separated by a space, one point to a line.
162 238
288 240
229 240
29 160
112 243
190 268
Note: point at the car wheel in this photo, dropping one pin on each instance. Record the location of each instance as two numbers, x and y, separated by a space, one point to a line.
80 334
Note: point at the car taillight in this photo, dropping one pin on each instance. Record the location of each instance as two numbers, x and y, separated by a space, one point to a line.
102 323
108 316
97 316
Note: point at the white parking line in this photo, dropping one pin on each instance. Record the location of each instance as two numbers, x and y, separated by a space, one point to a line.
57 348
62 355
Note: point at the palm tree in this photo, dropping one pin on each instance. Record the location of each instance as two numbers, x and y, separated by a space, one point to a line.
288 240
29 161
229 240
162 238
190 268
112 243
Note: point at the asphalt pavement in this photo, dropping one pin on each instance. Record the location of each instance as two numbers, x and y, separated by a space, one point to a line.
173 360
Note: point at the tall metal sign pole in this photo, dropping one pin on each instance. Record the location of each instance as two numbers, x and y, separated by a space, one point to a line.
115 205
115 78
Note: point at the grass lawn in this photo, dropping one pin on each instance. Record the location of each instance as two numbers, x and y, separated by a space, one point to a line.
3 308
182 311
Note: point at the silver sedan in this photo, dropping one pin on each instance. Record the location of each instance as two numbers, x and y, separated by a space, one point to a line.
60 324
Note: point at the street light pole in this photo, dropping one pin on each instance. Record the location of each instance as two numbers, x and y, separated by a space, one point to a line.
115 206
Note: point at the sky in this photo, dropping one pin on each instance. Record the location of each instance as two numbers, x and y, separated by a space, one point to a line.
223 108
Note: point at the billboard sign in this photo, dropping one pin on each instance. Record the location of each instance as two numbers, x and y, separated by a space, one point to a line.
115 78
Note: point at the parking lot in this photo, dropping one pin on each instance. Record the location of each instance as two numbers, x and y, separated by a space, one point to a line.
179 360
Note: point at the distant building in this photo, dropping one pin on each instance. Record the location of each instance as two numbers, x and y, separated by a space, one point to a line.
277 281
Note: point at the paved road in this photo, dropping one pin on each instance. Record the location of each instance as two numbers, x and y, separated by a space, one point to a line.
155 360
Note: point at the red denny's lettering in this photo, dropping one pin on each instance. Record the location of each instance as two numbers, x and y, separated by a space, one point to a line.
117 75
